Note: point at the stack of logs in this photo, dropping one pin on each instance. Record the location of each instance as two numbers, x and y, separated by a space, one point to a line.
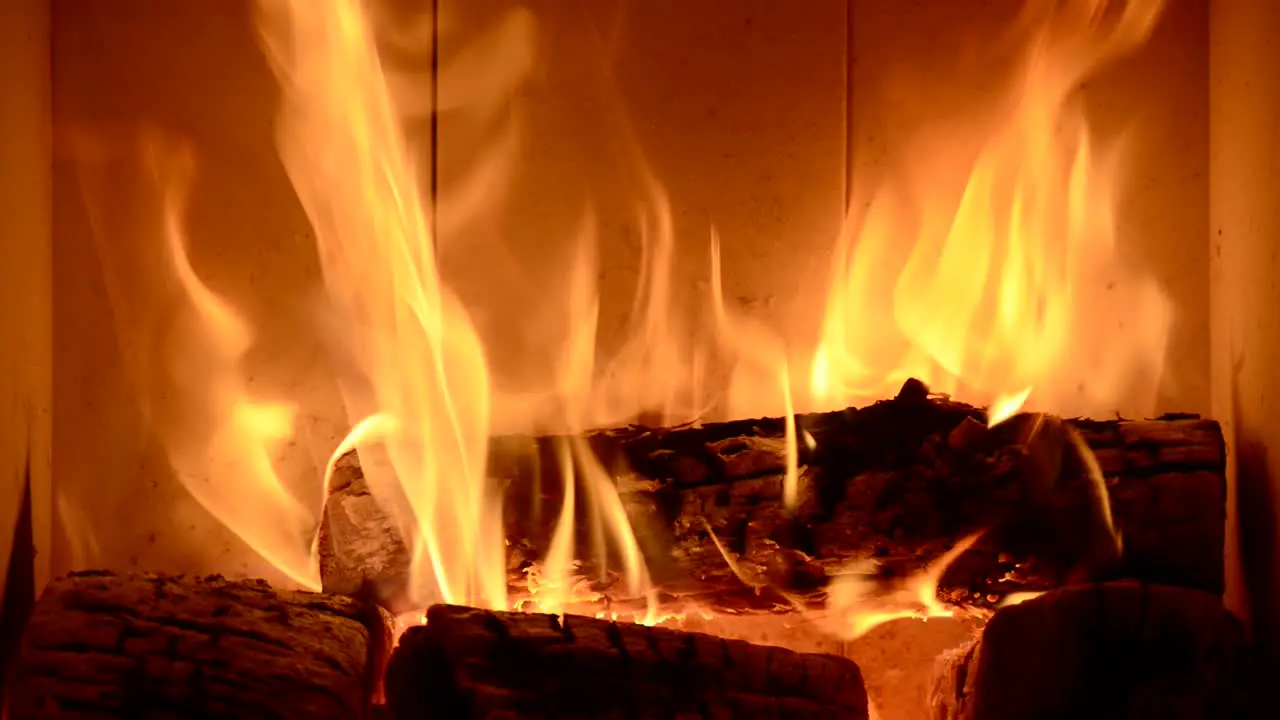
106 646
892 486
1123 627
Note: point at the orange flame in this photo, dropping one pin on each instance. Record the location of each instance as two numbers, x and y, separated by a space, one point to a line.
423 371
997 299
990 300
424 388
856 603
223 455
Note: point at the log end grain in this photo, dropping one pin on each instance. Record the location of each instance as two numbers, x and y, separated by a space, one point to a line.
475 663
105 645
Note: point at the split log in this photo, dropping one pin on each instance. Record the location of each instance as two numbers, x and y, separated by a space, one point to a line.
887 489
105 645
361 551
474 663
1119 650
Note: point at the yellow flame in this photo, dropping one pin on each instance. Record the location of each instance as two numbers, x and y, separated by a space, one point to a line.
1018 598
1006 406
610 525
993 297
759 365
421 364
1106 543
856 603
554 589
223 453
998 298
658 372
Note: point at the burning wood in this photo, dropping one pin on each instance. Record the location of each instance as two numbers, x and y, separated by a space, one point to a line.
885 492
475 663
151 645
1116 650
108 645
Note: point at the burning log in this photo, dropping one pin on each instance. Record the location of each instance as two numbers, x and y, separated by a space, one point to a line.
474 663
887 489
361 552
107 645
1115 650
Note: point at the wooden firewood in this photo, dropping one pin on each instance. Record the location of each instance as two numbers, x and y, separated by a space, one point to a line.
1119 650
111 646
887 489
468 663
361 551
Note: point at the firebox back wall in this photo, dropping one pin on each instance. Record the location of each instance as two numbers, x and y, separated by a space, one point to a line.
752 115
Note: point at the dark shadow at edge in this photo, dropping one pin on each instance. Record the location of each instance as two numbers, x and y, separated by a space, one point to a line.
19 594
1255 525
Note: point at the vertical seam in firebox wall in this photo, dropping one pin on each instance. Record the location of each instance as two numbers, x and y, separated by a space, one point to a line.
847 106
433 190
845 646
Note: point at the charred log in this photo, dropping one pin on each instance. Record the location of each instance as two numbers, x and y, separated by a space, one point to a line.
1109 650
106 645
474 663
887 490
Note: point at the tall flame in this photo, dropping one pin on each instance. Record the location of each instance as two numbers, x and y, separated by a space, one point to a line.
997 297
234 463
423 368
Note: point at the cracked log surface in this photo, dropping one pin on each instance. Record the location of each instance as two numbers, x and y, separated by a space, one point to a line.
106 645
888 488
1120 650
475 663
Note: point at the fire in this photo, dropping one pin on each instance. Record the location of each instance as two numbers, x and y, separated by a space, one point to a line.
423 388
242 434
559 586
993 296
998 295
421 366
856 603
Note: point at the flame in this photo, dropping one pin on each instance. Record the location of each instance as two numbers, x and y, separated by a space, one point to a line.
223 454
856 603
1005 289
760 364
1018 598
1105 543
423 389
610 526
421 364
994 300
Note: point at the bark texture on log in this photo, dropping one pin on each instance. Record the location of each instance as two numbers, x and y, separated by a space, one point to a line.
888 489
1119 650
109 646
468 663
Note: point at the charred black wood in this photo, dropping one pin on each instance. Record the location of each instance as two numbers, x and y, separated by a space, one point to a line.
887 489
475 663
1120 650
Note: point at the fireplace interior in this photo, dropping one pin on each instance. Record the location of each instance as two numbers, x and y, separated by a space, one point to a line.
831 359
